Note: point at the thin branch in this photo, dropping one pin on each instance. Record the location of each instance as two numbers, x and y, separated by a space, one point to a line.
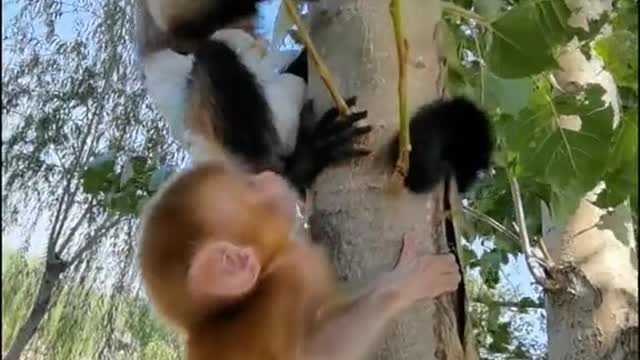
322 68
533 261
453 9
57 221
402 48
74 229
93 240
512 304
492 222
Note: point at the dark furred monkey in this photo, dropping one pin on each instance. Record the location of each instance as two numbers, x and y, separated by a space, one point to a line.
448 138
229 102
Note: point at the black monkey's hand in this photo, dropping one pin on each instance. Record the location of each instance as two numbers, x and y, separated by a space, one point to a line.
321 144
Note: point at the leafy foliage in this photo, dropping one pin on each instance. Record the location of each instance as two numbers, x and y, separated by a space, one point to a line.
525 37
140 335
558 142
124 190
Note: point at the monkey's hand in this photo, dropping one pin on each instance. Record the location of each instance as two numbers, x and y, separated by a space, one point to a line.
321 144
351 331
420 277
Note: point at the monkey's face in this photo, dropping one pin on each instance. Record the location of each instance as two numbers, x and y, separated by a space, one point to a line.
273 191
248 208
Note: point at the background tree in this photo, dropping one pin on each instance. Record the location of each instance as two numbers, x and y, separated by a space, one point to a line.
72 99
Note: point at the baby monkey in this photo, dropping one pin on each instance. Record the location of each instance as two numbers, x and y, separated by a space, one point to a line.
219 262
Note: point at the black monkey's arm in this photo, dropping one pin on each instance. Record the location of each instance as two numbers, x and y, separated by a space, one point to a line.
324 143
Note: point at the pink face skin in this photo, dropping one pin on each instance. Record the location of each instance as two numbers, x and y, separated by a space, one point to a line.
270 188
223 269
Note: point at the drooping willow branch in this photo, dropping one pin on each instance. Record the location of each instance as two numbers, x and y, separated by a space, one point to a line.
322 68
402 48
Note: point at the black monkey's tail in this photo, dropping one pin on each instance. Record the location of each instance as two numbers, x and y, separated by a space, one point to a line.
448 137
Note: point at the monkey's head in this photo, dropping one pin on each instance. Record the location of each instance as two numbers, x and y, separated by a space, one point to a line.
207 237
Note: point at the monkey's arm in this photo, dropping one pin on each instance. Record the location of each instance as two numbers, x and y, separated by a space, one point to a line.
324 143
351 331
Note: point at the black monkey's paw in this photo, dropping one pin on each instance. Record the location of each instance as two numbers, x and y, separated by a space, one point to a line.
334 135
321 144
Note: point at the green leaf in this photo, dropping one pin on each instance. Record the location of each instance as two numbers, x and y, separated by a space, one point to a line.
122 202
525 37
99 174
525 303
468 255
626 17
500 338
564 202
488 8
621 178
489 267
625 141
619 51
567 160
508 95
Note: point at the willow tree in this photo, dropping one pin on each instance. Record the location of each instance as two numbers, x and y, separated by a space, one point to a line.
74 117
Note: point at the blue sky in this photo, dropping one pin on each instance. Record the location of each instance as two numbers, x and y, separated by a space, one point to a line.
518 274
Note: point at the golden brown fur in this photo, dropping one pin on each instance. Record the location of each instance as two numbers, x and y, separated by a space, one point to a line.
268 323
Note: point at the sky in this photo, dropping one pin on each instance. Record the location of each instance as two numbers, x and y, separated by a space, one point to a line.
518 273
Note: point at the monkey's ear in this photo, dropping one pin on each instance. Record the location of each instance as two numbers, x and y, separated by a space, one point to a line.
222 269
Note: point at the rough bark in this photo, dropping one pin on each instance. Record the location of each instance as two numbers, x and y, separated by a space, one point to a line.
352 214
594 314
48 284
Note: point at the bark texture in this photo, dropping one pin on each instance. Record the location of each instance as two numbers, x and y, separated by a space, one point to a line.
352 214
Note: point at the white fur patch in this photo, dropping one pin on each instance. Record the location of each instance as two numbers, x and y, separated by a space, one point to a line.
166 75
285 96
285 93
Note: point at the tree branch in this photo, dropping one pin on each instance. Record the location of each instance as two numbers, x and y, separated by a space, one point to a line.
504 303
93 240
74 229
492 222
534 263
322 68
404 143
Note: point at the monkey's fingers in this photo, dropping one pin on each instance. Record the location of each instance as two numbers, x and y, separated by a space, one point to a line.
408 251
337 127
333 114
446 283
351 101
346 136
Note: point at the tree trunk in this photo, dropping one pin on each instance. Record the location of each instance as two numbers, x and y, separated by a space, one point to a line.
594 313
48 283
351 213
